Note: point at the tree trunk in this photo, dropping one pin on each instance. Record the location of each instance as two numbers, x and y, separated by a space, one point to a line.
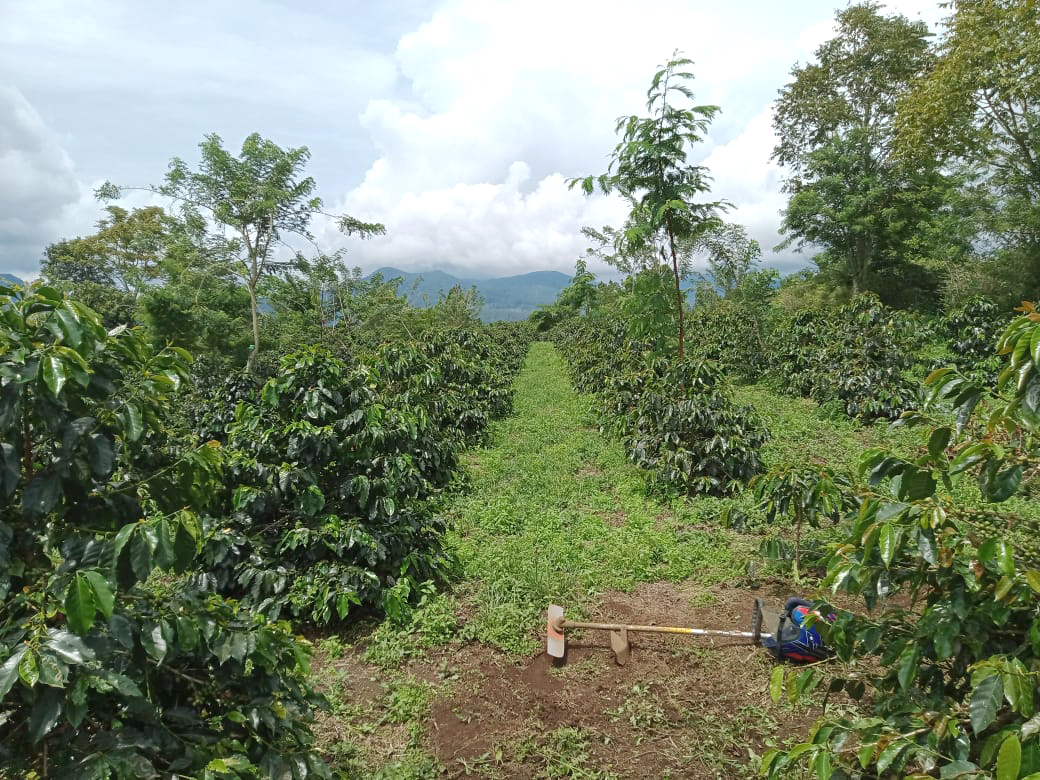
678 291
255 312
860 264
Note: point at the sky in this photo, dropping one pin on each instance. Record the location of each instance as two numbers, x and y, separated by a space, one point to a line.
455 123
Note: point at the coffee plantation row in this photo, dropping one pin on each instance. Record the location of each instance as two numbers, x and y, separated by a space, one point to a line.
166 530
677 417
940 544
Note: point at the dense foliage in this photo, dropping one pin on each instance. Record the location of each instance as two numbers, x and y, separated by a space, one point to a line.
738 335
112 661
161 521
335 465
972 331
950 661
675 416
856 357
136 505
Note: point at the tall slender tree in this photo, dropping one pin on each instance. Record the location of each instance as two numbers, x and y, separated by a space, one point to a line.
259 196
650 167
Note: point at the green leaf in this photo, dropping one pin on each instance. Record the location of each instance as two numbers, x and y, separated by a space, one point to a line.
122 683
68 323
121 538
890 754
54 374
141 553
822 764
153 641
104 599
311 501
45 713
908 663
1005 558
164 554
889 542
269 395
1009 759
69 647
184 548
945 638
865 754
52 671
187 633
1033 579
121 631
999 552
79 604
239 645
926 547
985 700
10 469
102 455
997 485
28 669
133 422
939 441
9 670
776 684
42 494
916 484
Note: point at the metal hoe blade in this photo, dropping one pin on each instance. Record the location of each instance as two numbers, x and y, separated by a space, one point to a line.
555 644
619 644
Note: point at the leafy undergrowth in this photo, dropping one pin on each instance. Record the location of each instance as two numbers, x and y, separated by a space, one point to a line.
456 684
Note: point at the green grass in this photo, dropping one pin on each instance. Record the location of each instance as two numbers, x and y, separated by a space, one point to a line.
557 515
802 432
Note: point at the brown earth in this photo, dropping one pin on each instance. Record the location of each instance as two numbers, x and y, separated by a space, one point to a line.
683 707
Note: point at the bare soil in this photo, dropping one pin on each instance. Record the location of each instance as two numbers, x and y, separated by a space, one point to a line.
689 707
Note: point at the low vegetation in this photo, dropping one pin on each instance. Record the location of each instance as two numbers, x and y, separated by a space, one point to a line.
263 518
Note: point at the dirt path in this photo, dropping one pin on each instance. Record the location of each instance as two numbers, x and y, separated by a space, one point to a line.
555 514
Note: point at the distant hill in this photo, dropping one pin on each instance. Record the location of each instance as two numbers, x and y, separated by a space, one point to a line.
505 298
11 279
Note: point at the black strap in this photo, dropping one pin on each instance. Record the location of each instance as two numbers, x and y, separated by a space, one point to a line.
780 637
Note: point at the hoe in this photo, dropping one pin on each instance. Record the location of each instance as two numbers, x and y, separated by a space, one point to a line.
792 640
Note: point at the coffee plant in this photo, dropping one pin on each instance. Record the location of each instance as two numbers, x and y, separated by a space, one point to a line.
675 417
857 357
803 494
972 332
336 465
949 662
737 337
113 663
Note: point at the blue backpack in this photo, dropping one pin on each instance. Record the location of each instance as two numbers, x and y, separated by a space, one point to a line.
794 641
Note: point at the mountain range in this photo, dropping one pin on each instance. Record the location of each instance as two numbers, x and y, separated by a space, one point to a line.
505 297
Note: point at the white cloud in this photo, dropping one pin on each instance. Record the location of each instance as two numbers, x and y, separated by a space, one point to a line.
482 229
38 185
536 85
746 177
454 122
